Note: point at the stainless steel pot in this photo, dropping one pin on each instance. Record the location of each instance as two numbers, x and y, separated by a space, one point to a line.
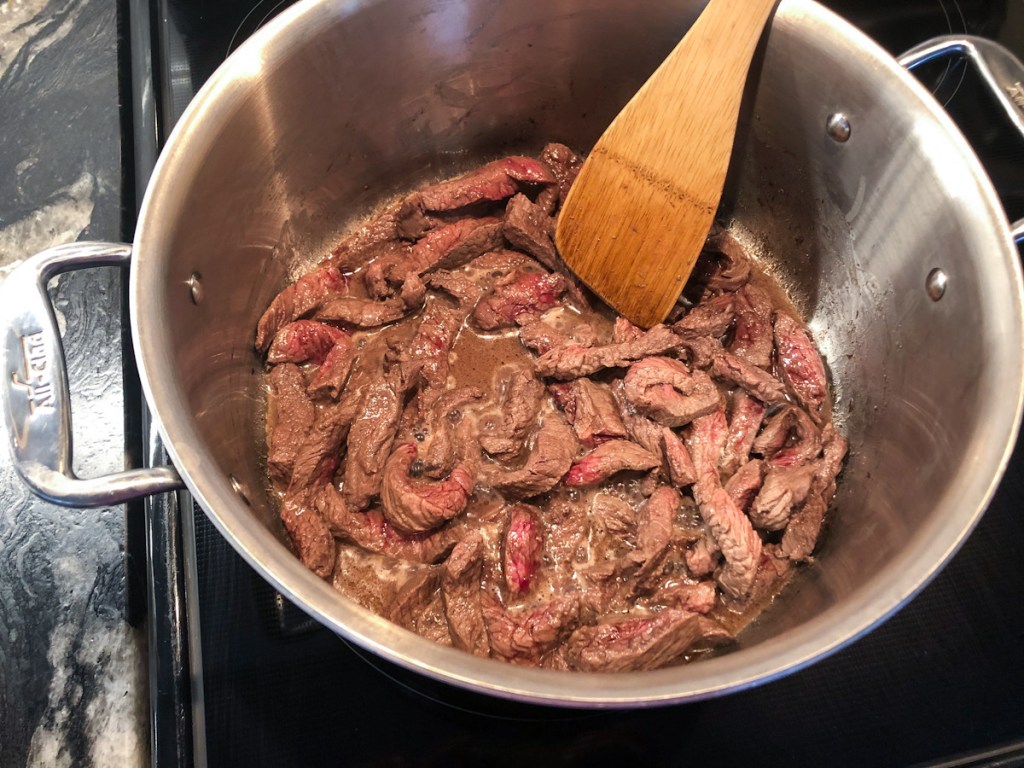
860 192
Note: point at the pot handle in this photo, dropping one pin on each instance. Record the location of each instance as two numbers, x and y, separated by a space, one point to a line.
1000 70
36 404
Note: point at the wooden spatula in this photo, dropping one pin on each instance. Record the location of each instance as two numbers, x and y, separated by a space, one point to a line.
637 215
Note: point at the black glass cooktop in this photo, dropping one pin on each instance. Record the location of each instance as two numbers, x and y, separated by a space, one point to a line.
240 677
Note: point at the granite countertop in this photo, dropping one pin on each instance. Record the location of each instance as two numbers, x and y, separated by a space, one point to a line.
72 670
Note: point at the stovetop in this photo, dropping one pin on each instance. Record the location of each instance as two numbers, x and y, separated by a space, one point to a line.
240 676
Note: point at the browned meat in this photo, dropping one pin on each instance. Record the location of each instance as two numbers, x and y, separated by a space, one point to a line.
702 558
542 337
445 433
386 586
709 318
752 339
654 530
516 296
698 598
412 601
368 313
491 182
801 365
465 291
733 268
366 241
639 642
789 438
529 228
594 415
608 459
701 351
460 590
524 635
564 165
452 246
521 549
503 430
371 531
298 300
549 460
665 390
369 442
309 533
574 361
740 544
292 417
745 483
747 414
625 332
417 506
333 373
677 466
424 361
304 341
501 262
783 489
757 382
680 465
801 534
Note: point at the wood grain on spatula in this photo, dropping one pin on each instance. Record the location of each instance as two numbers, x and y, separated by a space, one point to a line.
637 215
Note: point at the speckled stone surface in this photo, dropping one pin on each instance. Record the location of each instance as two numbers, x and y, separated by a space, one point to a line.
72 674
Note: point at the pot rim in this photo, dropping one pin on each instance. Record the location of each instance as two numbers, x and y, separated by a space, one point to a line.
745 667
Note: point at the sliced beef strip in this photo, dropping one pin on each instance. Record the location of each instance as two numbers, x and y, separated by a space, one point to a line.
466 291
412 602
801 534
745 483
639 642
733 268
654 530
609 459
446 429
424 361
702 558
676 466
371 531
784 488
708 318
369 442
759 383
461 592
491 182
416 506
549 459
801 366
293 419
299 299
524 294
665 390
740 544
303 341
503 429
370 313
700 597
595 416
521 549
366 241
574 361
747 415
308 531
525 635
541 336
625 332
752 339
501 261
453 246
529 228
677 458
701 351
330 378
564 165
789 438
375 581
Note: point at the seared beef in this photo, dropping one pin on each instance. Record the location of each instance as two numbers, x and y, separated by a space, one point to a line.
299 299
524 635
789 438
333 373
700 597
801 534
745 483
594 415
709 318
640 642
625 332
521 549
733 269
461 592
369 443
783 489
564 165
574 361
519 396
521 295
292 416
608 459
757 382
365 242
304 341
702 558
542 337
424 361
308 531
747 414
367 313
549 460
801 365
740 544
665 390
752 339
417 506
494 181
676 466
464 290
445 432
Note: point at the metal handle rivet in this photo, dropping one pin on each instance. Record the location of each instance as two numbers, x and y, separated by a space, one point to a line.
838 127
935 284
195 287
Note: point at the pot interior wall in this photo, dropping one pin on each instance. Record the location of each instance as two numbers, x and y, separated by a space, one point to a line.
379 96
